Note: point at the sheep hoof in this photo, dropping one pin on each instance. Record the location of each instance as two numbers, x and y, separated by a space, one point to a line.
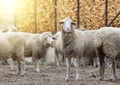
37 71
17 74
22 75
113 78
101 79
58 64
66 79
77 79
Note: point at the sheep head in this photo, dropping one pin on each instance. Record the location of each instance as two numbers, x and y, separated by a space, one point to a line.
48 39
67 25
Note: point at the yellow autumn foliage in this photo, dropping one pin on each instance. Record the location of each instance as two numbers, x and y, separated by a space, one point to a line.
91 13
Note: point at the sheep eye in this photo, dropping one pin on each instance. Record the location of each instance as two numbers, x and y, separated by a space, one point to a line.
53 38
45 38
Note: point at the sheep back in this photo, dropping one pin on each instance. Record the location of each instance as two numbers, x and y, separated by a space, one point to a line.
11 44
108 38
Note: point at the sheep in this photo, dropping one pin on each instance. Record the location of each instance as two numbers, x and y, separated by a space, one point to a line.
11 44
37 45
59 52
9 28
73 45
58 48
107 44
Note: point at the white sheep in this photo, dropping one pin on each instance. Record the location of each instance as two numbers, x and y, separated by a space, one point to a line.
11 44
73 45
58 48
37 45
9 28
107 43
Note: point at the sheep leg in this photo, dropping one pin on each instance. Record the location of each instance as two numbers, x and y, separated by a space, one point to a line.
57 59
63 58
102 67
101 56
68 64
77 68
83 61
37 65
113 70
11 63
96 64
21 67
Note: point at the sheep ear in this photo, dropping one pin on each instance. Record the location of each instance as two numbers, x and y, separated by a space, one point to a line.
61 22
44 37
73 23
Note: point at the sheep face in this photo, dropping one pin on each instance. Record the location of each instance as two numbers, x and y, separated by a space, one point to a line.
67 25
49 40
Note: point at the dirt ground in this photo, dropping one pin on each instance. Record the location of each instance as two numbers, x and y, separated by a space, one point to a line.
53 75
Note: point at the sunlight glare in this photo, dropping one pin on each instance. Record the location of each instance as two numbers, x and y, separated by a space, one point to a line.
7 6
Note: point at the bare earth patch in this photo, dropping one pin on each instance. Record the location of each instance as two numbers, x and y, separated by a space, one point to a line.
53 75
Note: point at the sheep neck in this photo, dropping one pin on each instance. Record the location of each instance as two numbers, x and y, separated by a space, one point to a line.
67 38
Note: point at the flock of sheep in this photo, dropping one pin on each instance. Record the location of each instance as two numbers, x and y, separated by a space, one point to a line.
16 45
69 43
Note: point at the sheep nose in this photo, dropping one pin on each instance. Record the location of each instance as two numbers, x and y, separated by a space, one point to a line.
68 30
52 43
